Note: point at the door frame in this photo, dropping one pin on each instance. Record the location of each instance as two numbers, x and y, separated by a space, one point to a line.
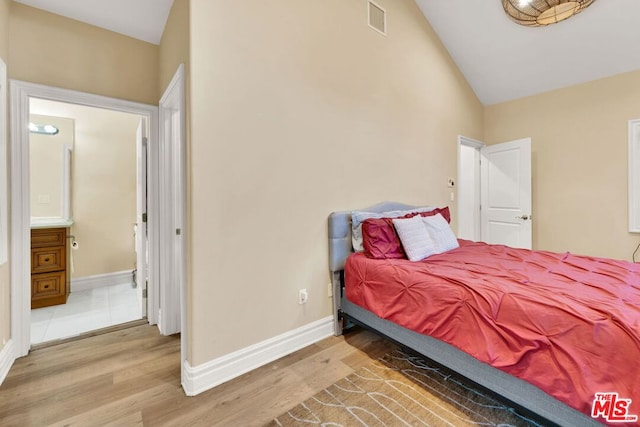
172 127
476 145
20 196
142 235
173 137
479 182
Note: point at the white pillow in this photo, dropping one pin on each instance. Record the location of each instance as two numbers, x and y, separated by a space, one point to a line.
415 238
441 233
358 217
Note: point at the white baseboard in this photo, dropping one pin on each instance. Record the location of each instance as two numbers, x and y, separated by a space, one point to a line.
6 360
215 372
101 280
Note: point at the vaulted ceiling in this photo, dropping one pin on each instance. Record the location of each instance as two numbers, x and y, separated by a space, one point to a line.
504 61
500 59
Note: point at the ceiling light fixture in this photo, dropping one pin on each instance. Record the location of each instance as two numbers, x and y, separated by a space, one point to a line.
536 13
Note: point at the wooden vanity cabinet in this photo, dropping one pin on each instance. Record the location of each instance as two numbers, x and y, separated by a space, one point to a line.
48 267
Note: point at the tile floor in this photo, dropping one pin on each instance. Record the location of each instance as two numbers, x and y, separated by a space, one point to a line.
85 311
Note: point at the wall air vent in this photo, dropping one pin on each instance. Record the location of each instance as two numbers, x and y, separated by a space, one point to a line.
377 18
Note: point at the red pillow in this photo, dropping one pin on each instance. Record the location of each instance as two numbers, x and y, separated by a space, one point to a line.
442 211
380 240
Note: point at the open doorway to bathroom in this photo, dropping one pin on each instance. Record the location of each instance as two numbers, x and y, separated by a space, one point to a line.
84 169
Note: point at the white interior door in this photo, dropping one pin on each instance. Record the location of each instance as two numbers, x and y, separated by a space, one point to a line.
142 242
506 193
173 202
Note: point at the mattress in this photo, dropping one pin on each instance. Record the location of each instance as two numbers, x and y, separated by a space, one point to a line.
568 324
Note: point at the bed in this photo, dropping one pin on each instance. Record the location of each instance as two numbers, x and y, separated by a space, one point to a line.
426 309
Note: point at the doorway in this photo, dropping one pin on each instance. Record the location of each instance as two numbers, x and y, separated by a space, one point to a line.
21 95
469 226
84 170
494 192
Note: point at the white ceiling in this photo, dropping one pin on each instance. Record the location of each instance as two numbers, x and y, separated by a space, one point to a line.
140 19
502 60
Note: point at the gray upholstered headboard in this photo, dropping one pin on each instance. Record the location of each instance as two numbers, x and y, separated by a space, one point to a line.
340 232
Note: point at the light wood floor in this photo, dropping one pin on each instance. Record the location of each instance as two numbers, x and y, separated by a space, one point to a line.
132 377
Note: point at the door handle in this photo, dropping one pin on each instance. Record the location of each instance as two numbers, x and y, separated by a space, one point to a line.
524 217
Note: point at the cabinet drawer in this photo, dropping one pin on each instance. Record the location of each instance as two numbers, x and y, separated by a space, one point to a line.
48 285
47 259
48 237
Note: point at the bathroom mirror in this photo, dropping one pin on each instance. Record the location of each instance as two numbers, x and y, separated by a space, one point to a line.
51 146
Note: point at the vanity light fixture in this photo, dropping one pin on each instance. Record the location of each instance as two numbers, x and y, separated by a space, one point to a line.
537 13
43 129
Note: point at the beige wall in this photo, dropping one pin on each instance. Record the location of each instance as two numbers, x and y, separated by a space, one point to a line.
297 108
579 145
174 46
46 154
104 192
5 301
5 7
56 51
103 189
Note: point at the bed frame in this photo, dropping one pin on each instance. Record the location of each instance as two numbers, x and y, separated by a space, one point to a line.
520 393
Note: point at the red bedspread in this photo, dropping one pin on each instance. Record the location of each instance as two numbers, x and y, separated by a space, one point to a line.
568 324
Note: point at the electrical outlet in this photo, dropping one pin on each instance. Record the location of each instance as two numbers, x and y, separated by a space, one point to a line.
451 183
303 296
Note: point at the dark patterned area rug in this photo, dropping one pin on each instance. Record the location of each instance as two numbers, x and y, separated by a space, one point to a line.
400 389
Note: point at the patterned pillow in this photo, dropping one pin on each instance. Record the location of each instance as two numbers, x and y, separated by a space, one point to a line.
441 233
415 238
